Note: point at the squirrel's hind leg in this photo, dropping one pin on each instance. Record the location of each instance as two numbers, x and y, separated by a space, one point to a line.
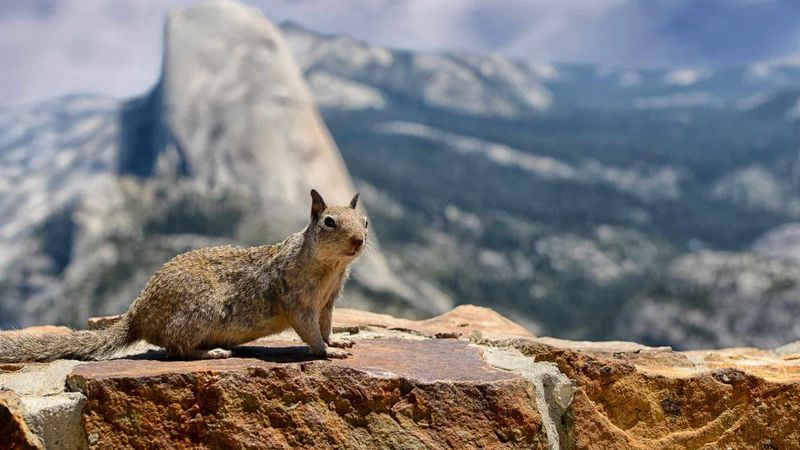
198 353
214 353
195 349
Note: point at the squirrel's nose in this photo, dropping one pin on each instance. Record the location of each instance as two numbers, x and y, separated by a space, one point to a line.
357 241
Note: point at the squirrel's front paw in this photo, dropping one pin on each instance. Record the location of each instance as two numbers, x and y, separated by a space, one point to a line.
336 353
341 344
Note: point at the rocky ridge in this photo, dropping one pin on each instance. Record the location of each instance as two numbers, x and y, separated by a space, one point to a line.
469 378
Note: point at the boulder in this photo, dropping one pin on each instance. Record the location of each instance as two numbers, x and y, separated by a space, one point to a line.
464 320
391 393
13 429
646 399
469 378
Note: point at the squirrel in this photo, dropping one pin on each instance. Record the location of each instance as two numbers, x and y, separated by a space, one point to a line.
202 303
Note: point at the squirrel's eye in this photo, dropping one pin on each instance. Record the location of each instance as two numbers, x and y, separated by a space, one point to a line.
329 222
366 223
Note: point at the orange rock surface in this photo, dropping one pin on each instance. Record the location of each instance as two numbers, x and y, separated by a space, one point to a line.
470 378
391 393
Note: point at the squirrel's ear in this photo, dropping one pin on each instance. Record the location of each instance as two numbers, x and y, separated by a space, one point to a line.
354 201
317 204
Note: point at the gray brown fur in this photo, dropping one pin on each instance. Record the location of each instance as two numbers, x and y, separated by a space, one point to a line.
207 300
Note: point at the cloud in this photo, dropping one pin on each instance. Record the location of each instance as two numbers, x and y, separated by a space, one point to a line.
55 47
80 46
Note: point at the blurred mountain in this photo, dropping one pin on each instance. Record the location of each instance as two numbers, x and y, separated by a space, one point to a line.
711 298
346 73
586 202
96 195
593 202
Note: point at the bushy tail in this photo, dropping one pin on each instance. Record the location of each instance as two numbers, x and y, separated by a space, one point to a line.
22 346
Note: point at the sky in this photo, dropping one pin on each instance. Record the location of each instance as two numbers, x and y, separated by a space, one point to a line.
50 48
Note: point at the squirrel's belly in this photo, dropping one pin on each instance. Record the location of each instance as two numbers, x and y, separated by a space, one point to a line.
231 336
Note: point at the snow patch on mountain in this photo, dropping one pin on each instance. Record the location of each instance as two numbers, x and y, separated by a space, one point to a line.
629 79
544 71
771 69
340 54
686 77
780 242
752 101
757 188
332 91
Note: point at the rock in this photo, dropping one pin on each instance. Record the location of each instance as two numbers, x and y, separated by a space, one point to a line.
554 391
403 386
99 323
731 399
56 419
13 429
38 379
460 321
52 415
391 393
236 103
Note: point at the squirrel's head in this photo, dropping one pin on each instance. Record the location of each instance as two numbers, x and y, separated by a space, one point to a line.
339 232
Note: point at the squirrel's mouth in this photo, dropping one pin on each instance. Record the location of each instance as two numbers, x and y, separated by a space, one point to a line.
352 253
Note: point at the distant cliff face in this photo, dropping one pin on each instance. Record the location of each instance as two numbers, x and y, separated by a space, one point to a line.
224 149
238 112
